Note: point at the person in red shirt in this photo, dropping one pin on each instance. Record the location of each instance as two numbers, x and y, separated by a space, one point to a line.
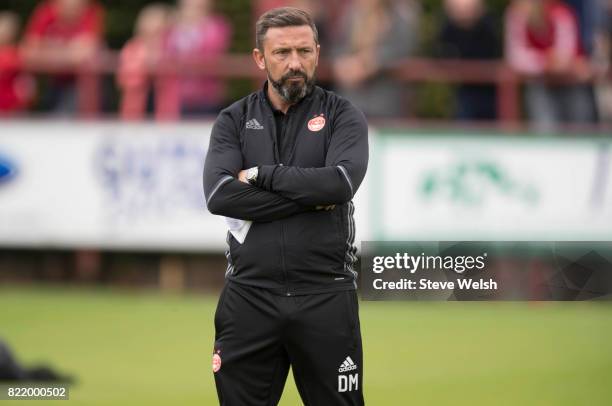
543 44
63 35
15 86
139 58
198 35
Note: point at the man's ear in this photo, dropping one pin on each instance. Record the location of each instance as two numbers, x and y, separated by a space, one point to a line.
258 57
318 51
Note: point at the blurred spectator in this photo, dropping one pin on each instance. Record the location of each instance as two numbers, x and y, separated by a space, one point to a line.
469 32
140 55
602 58
198 35
542 42
585 12
15 87
586 17
65 35
373 35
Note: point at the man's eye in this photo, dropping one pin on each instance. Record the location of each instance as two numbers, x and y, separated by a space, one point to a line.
306 51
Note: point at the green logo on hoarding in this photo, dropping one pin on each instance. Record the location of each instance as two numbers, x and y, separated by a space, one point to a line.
470 183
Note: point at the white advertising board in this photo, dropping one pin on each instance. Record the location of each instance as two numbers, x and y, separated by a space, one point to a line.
106 185
139 186
491 188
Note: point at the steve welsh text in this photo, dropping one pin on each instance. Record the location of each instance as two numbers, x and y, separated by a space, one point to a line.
427 284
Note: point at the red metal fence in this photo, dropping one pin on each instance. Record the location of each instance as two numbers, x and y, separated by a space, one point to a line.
241 66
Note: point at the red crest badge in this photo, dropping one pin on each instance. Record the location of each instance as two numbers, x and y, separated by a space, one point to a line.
216 363
317 123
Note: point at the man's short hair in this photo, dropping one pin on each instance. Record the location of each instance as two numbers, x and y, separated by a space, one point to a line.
282 17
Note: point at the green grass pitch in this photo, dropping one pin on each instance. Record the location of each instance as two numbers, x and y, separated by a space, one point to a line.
146 348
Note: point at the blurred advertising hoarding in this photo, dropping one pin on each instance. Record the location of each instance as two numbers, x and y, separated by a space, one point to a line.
132 186
139 186
491 187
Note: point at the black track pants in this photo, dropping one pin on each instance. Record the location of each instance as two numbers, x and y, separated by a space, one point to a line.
259 335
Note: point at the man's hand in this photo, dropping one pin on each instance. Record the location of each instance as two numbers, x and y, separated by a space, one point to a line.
242 176
326 208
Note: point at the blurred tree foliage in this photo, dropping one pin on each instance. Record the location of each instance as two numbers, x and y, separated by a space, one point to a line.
431 101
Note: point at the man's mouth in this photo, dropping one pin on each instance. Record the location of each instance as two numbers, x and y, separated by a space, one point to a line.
295 76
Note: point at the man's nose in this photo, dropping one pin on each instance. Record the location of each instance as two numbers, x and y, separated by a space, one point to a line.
294 61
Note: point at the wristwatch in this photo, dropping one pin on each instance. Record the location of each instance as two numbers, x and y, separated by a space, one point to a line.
251 175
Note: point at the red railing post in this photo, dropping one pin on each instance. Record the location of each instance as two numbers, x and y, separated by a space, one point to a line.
167 92
88 92
508 96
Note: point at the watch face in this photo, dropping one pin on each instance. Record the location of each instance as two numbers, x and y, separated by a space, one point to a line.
251 174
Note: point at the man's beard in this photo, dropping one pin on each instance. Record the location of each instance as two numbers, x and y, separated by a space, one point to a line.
293 92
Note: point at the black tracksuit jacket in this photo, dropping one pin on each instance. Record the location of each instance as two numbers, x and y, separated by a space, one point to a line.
291 247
